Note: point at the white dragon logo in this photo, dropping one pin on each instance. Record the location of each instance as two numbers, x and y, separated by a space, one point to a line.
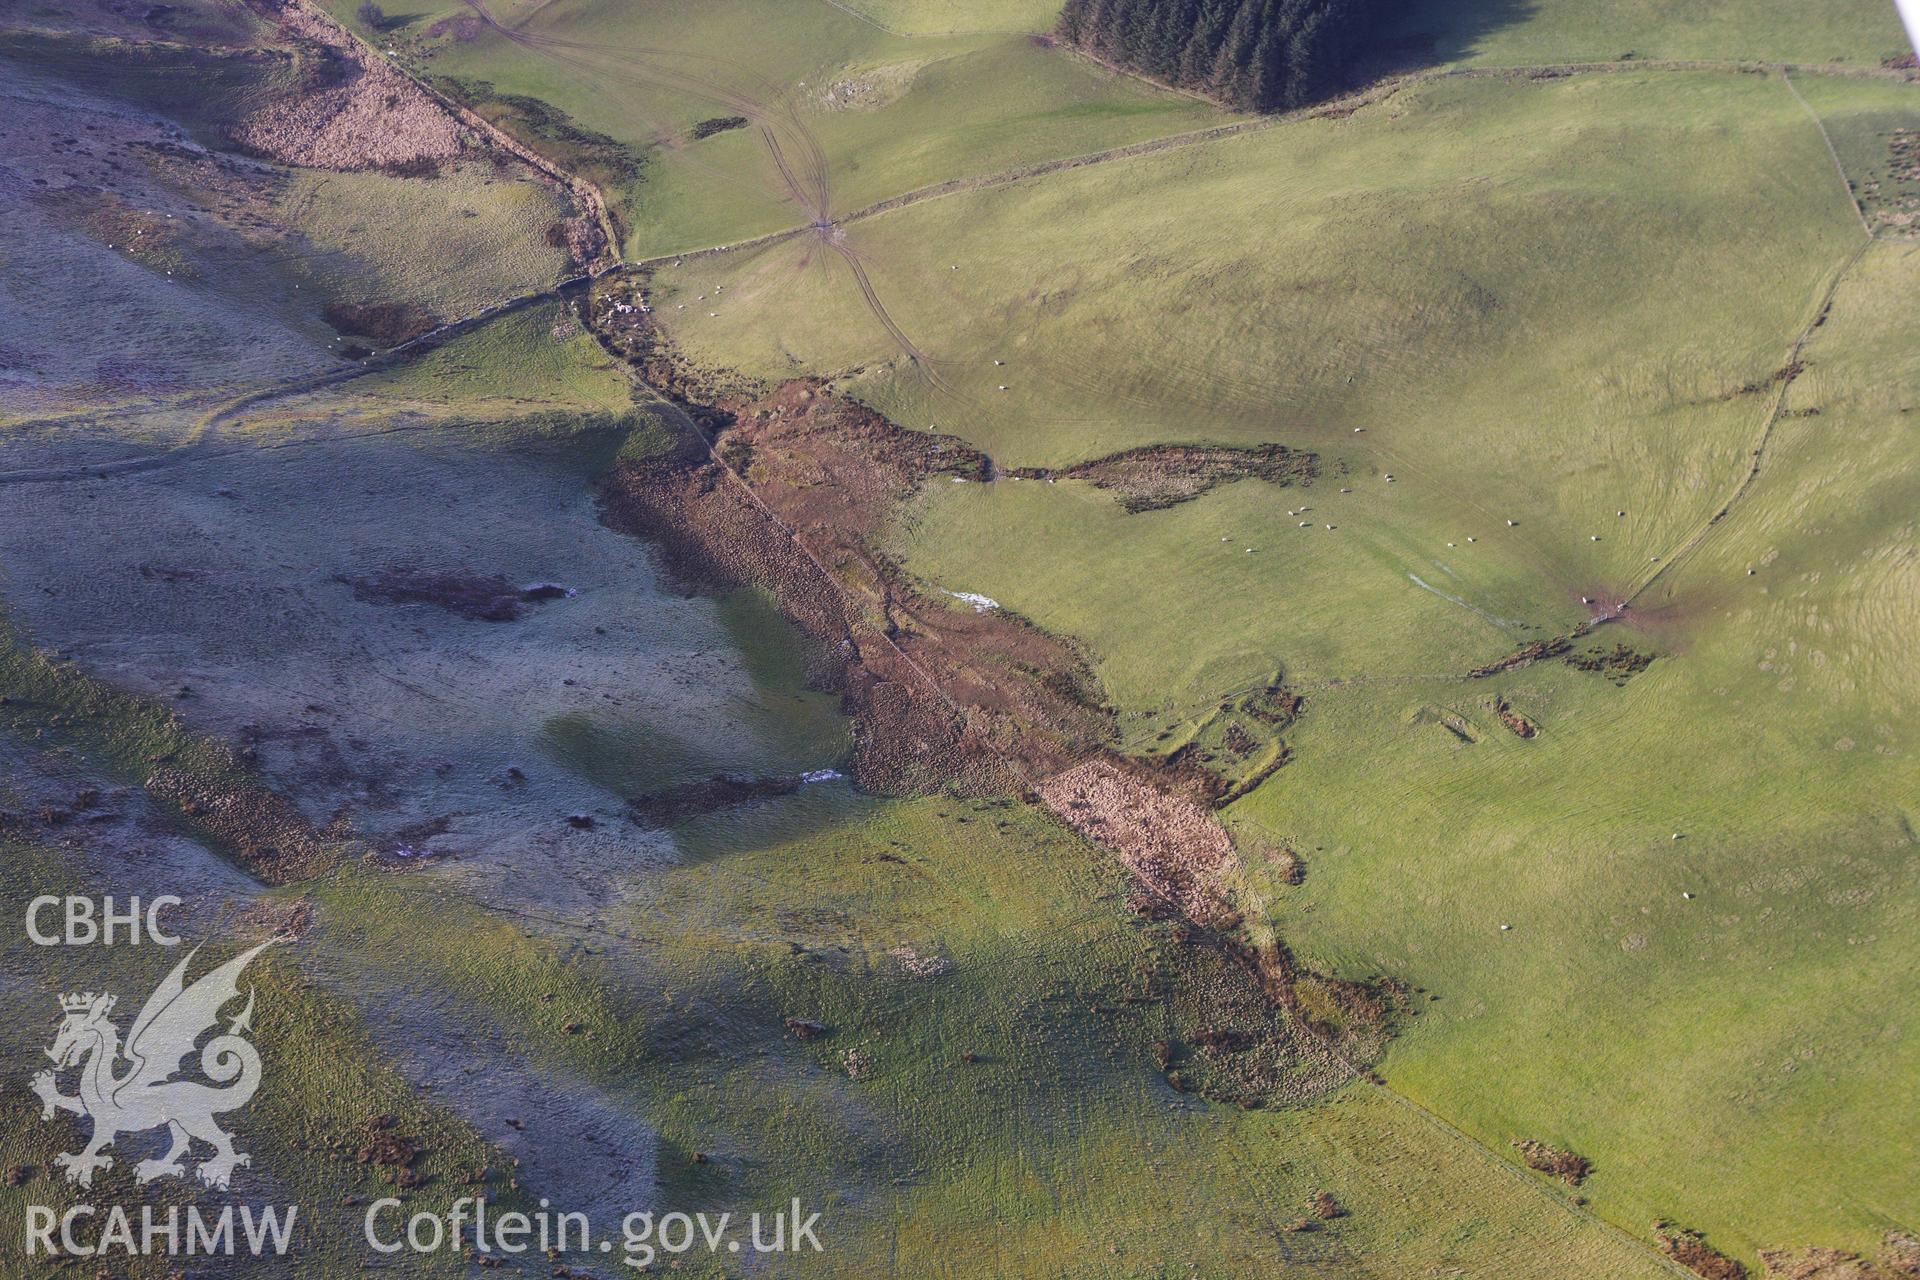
145 1095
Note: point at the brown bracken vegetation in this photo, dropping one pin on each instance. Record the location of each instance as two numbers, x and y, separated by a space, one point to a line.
1155 477
387 323
1899 1259
1691 1250
1518 724
1565 1165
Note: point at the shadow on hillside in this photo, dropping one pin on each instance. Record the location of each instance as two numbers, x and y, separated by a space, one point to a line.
1434 33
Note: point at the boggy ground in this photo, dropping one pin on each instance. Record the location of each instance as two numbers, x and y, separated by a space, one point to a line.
788 497
326 611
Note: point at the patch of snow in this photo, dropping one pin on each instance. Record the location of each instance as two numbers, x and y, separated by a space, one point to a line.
979 602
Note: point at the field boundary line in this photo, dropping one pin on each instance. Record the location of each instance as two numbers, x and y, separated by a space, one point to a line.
714 250
586 193
1006 177
1823 302
1444 1126
863 16
1846 183
1741 66
1126 151
1376 92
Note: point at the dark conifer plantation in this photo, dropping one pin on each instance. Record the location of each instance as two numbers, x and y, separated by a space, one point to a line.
1258 55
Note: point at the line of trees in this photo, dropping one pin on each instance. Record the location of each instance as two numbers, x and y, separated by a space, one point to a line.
1257 55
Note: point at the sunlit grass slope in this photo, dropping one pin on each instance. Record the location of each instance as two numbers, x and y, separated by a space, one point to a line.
888 114
466 239
523 362
1537 302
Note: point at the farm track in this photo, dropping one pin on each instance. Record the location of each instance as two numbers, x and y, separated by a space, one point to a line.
201 442
1776 406
195 452
1833 153
805 175
762 102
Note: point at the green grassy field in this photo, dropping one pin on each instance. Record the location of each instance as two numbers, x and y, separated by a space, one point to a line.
1056 1152
1588 358
1692 1048
945 17
469 238
531 360
886 114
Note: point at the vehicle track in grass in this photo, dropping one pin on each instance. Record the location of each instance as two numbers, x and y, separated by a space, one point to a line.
804 174
765 103
1788 374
